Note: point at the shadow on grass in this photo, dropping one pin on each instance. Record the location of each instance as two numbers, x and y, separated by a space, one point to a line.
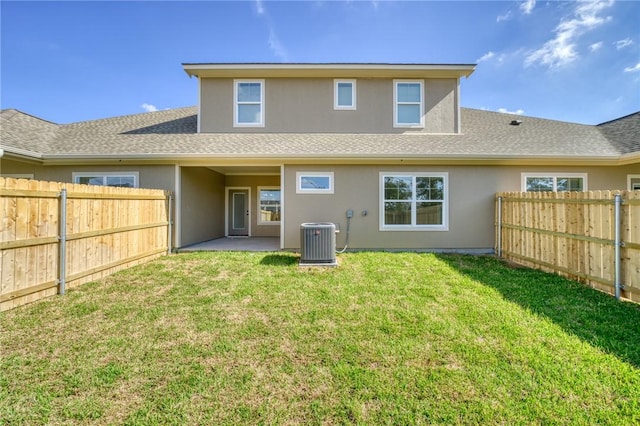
279 260
592 316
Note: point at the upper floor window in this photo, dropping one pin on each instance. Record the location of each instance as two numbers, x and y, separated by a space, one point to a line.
248 99
344 94
408 109
414 201
554 182
119 179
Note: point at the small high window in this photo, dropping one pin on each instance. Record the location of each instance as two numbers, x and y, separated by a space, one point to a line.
248 108
314 183
344 94
408 110
554 182
118 179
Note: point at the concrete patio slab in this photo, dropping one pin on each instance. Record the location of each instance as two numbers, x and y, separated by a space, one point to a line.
236 244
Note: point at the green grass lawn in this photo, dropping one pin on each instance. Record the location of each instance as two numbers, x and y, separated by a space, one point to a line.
250 338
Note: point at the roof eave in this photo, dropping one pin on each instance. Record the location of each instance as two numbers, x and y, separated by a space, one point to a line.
12 152
225 158
204 70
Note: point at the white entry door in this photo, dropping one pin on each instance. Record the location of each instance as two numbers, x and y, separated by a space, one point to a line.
239 213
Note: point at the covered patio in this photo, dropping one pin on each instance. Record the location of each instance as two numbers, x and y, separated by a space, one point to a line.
236 244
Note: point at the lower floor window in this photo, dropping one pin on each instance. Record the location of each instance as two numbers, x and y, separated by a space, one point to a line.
413 201
554 182
269 206
118 179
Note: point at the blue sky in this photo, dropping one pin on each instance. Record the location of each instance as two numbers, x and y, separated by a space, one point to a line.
82 60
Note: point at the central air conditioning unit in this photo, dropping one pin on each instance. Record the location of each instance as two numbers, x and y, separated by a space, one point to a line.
318 244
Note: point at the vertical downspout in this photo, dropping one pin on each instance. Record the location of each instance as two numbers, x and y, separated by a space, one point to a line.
62 258
170 223
617 200
499 242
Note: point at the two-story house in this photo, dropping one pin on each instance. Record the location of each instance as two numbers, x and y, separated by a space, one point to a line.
272 146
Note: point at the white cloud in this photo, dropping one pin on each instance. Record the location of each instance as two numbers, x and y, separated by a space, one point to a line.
504 17
635 68
561 50
149 107
506 111
276 46
621 44
595 46
527 6
486 57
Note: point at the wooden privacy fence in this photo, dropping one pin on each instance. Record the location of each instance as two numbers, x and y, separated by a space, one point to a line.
55 236
592 237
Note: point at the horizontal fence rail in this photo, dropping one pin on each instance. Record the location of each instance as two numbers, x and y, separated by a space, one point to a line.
57 235
592 237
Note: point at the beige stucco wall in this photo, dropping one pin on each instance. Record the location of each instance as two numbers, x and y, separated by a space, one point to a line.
253 182
471 203
306 106
152 177
201 205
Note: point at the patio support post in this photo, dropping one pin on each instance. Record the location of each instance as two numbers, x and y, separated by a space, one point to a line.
499 242
617 200
170 222
62 258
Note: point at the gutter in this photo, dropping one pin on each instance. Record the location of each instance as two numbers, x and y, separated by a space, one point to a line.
23 153
231 158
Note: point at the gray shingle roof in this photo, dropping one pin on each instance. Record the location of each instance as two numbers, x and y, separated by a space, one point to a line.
173 133
25 132
623 132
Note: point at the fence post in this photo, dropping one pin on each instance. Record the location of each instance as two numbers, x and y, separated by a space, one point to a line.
499 242
170 221
63 243
617 200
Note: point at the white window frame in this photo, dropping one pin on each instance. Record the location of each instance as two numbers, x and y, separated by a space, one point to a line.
444 226
259 205
236 103
301 190
555 176
396 103
630 185
336 106
104 175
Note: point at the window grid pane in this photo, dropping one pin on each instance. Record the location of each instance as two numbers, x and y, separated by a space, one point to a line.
314 182
409 92
249 92
408 114
269 205
397 213
398 188
248 113
539 184
429 188
429 213
345 94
